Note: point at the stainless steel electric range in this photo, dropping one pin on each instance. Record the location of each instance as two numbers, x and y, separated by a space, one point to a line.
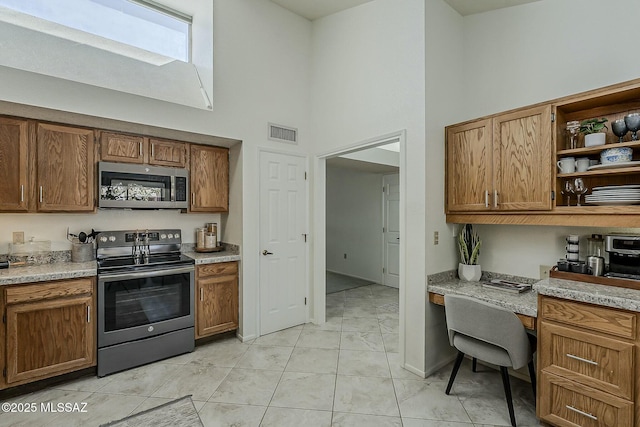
145 298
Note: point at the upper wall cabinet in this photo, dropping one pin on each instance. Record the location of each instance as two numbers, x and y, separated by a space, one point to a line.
14 165
209 179
65 168
122 148
501 163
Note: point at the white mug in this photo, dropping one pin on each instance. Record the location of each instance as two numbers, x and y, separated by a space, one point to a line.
572 256
573 239
567 165
572 247
582 164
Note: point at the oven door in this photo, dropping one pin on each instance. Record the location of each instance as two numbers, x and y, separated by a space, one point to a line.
137 305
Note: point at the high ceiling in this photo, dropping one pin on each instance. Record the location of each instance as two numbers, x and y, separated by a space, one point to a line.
314 9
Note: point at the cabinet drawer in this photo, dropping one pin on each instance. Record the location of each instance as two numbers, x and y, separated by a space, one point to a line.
217 269
48 290
595 318
565 403
602 363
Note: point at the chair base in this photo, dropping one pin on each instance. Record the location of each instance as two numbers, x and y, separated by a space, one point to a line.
504 373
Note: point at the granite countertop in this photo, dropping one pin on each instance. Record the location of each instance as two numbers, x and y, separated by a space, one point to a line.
45 272
525 303
70 270
609 296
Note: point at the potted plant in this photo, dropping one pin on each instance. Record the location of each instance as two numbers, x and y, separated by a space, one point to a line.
592 130
469 247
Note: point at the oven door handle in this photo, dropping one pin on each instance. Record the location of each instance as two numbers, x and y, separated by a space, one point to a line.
143 274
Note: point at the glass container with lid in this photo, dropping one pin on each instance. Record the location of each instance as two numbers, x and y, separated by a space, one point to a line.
595 245
573 129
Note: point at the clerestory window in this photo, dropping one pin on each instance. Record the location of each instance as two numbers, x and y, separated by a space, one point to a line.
144 24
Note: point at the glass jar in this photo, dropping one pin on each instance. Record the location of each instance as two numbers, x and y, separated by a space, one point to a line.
573 130
200 237
595 245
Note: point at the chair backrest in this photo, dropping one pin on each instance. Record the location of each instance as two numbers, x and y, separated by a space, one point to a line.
489 323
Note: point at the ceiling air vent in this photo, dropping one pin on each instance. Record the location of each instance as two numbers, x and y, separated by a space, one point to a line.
283 134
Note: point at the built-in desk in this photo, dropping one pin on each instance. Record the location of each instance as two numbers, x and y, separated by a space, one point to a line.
524 305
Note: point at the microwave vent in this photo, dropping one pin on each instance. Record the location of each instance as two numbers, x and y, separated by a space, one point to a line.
283 134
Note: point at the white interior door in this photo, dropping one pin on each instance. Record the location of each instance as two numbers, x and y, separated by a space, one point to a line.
391 229
283 228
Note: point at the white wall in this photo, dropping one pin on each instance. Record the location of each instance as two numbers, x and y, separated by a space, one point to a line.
532 53
354 223
369 80
261 74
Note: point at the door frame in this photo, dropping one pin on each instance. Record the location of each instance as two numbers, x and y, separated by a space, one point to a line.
307 254
318 295
384 219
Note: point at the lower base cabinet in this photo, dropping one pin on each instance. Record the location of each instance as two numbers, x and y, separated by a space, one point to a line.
587 360
216 298
49 329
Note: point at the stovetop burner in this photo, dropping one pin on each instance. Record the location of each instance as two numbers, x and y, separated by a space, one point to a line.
138 250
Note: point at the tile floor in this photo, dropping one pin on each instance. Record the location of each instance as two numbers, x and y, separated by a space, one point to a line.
343 373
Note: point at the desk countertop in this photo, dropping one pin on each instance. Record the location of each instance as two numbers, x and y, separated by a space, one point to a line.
527 303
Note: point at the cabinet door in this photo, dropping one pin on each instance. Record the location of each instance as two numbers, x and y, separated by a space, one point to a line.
522 160
120 148
217 307
14 175
167 153
65 168
468 167
209 179
50 337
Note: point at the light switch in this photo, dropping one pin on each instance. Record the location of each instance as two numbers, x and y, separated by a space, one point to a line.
18 237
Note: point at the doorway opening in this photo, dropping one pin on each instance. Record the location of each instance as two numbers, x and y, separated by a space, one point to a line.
358 251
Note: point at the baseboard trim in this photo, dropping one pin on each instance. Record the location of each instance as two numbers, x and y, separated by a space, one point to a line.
373 282
439 366
246 338
414 370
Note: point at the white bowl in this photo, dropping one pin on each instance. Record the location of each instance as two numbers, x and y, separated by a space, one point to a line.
616 155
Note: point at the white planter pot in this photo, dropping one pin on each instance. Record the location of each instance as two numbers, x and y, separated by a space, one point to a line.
594 139
469 273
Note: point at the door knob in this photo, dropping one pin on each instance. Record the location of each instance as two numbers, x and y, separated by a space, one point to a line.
266 252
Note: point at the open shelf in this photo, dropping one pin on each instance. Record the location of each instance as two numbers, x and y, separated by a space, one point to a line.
597 149
612 171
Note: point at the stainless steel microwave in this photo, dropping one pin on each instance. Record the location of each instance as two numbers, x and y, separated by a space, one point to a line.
133 186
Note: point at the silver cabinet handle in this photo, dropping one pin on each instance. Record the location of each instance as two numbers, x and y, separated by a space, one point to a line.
21 193
486 198
88 314
201 294
591 362
266 252
41 194
571 408
495 198
140 148
152 146
193 199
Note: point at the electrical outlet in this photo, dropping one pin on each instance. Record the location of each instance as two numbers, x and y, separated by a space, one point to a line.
18 237
544 271
436 237
345 256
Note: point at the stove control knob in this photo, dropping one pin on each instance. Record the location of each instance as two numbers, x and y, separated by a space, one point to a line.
112 238
163 236
170 236
177 236
103 239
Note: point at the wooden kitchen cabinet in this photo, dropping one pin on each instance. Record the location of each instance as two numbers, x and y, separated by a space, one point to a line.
209 179
587 364
65 168
122 148
216 298
14 165
501 163
116 147
167 153
49 329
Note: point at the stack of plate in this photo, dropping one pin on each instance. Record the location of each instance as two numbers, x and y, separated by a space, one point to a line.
614 195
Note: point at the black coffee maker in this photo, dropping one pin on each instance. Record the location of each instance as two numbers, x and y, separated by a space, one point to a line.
624 256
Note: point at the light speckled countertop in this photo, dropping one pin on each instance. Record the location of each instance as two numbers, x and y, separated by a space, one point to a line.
70 270
609 296
525 303
45 272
